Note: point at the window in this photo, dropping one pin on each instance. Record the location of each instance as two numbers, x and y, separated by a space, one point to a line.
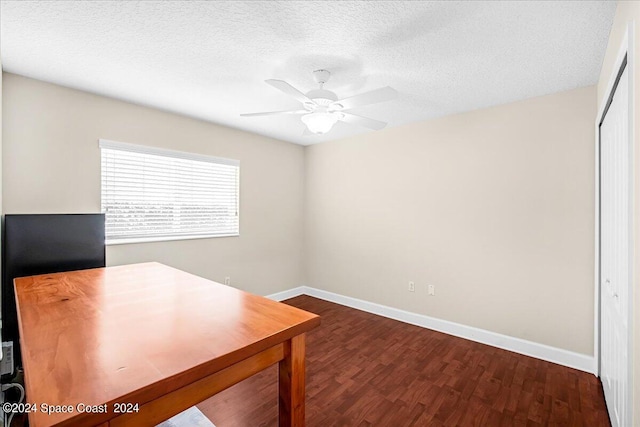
152 194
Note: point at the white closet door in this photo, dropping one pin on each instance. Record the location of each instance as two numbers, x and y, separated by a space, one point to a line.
614 255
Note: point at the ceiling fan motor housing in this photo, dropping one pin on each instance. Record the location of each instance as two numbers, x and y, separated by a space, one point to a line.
322 96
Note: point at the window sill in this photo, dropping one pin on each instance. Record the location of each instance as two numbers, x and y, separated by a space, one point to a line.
164 239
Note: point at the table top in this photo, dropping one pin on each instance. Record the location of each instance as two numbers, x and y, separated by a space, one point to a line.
135 332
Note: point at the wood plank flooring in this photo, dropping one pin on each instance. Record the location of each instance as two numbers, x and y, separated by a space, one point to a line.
366 370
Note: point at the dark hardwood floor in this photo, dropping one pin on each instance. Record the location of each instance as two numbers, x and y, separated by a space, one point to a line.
366 370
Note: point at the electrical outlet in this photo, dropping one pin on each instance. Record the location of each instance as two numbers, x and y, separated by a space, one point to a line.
412 287
227 281
432 290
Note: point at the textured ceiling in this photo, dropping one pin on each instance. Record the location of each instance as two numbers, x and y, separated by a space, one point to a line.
209 59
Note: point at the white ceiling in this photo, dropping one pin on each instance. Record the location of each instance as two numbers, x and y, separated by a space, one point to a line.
209 59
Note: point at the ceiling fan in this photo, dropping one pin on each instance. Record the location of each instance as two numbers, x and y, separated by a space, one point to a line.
322 109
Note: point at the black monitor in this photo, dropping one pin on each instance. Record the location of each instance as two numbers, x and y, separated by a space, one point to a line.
46 243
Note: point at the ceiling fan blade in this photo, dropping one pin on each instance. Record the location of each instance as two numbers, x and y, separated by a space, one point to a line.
289 90
274 113
372 97
362 121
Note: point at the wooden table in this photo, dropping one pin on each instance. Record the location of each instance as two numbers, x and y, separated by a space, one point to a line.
107 339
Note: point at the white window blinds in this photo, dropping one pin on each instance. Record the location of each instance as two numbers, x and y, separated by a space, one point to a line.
153 194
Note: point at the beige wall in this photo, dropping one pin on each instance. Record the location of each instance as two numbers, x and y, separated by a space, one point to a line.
494 207
52 165
629 11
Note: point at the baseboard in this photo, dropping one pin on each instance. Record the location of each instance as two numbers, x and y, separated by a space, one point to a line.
560 356
289 293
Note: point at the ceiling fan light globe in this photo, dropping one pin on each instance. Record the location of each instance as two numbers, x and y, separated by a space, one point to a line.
319 123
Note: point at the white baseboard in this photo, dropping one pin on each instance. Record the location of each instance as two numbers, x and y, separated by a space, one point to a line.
289 293
582 362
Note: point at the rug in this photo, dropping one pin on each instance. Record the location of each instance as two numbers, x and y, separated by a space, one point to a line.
192 417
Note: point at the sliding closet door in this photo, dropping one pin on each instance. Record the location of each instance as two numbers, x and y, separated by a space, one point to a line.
615 255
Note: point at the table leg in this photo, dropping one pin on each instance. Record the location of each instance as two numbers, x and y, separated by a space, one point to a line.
291 384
